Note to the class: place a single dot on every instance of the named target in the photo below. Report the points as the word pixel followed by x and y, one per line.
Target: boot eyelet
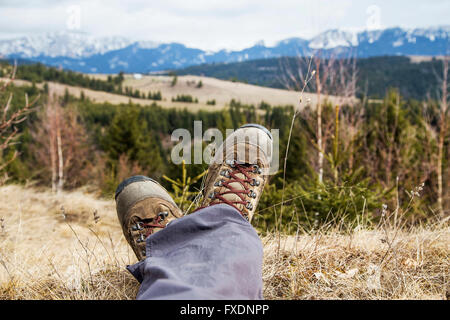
pixel 257 169
pixel 140 239
pixel 231 163
pixel 138 226
pixel 249 206
pixel 255 183
pixel 225 173
pixel 163 215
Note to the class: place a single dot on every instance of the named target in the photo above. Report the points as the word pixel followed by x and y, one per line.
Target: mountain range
pixel 89 54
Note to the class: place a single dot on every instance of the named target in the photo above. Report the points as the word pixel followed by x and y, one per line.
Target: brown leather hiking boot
pixel 143 207
pixel 240 170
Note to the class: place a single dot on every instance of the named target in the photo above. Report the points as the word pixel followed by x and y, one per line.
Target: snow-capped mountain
pixel 85 53
pixel 334 38
pixel 61 44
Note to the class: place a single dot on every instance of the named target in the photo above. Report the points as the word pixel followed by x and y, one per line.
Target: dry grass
pixel 334 266
pixel 220 90
pixel 44 256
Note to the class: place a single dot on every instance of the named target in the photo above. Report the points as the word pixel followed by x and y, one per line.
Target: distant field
pixel 414 76
pixel 102 96
pixel 220 90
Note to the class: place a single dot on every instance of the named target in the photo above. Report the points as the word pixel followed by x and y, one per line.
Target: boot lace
pixel 149 226
pixel 231 176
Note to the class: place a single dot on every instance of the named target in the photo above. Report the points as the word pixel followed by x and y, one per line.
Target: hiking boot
pixel 143 207
pixel 240 170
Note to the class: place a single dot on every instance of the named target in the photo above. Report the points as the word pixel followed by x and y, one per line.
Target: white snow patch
pixel 333 39
pixel 398 43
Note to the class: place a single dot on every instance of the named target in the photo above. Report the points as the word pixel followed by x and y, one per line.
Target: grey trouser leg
pixel 213 253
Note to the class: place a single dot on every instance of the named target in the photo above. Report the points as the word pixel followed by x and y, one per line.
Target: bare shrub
pixel 61 147
pixel 8 121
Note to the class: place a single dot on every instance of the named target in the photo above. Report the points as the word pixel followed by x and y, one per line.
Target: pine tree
pixel 128 135
pixel 225 122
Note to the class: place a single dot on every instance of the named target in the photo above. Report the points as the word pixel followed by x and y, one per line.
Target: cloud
pixel 211 24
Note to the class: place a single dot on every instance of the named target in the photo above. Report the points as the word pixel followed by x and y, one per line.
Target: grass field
pixel 220 90
pixel 212 89
pixel 70 246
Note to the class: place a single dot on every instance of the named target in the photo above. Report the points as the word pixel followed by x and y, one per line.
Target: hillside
pixel 70 246
pixel 221 91
pixel 415 76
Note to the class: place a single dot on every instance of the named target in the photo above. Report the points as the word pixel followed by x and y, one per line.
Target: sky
pixel 212 24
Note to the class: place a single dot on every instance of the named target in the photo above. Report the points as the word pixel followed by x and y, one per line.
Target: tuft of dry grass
pixel 67 246
pixel 83 256
pixel 360 265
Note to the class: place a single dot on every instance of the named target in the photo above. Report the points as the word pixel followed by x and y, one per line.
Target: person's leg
pixel 213 253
